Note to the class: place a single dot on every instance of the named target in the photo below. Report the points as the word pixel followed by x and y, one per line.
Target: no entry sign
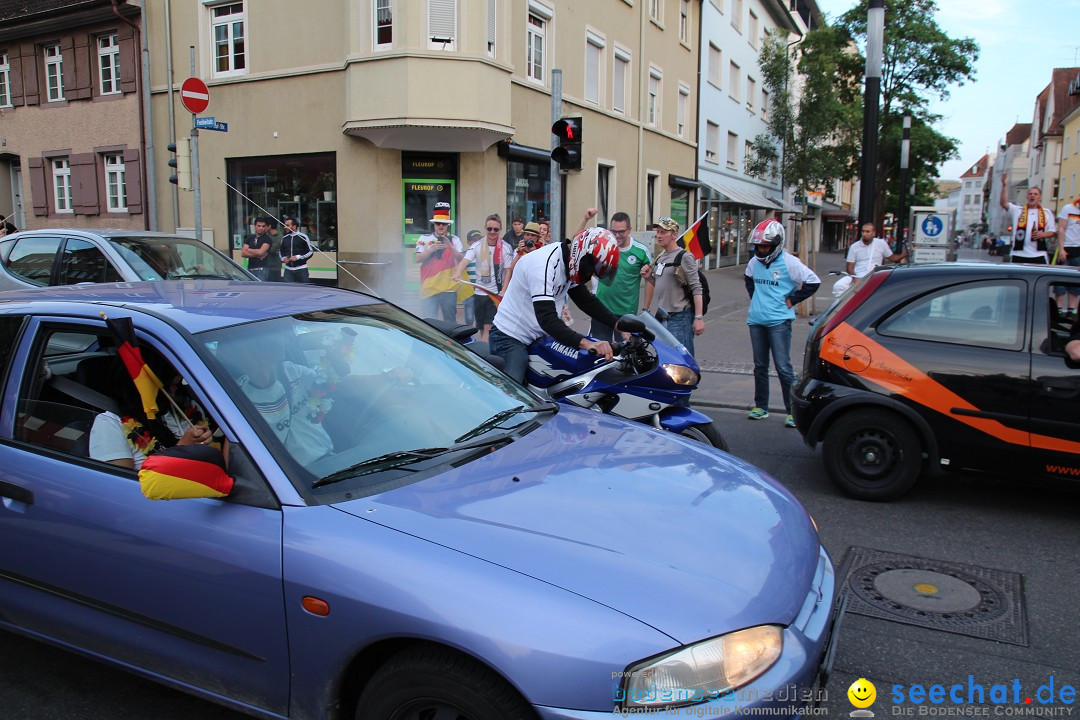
pixel 194 95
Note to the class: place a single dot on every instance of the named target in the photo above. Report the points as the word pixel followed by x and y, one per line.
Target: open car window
pixel 168 258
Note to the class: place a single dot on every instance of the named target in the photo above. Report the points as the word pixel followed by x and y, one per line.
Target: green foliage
pixel 921 63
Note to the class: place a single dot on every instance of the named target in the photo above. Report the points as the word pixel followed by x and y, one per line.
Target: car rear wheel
pixel 424 683
pixel 706 433
pixel 872 454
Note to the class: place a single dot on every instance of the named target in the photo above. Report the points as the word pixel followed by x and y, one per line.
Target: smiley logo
pixel 862 693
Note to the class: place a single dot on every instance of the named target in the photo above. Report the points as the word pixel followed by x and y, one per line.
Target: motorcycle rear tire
pixel 706 433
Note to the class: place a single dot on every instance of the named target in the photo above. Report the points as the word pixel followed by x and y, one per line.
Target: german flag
pixel 495 297
pixel 696 239
pixel 185 471
pixel 144 378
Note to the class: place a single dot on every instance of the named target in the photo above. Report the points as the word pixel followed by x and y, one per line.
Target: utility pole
pixel 905 151
pixel 195 164
pixel 557 214
pixel 875 37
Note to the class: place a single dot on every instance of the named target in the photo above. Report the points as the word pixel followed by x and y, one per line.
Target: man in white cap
pixel 438 253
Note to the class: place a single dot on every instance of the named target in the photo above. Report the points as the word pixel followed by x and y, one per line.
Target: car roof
pixel 979 269
pixel 194 305
pixel 99 232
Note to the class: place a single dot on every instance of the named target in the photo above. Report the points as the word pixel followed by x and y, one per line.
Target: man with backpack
pixel 678 286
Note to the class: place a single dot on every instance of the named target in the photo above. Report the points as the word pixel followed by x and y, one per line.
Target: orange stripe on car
pixel 848 349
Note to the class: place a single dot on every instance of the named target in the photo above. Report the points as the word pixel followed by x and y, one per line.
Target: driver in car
pixel 537 292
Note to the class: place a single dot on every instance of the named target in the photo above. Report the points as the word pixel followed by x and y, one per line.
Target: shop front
pixel 426 179
pixel 528 182
pixel 733 213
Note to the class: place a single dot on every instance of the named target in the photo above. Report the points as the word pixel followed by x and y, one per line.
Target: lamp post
pixel 875 32
pixel 905 151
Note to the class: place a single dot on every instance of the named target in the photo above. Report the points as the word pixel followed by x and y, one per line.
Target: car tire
pixel 872 454
pixel 706 433
pixel 424 681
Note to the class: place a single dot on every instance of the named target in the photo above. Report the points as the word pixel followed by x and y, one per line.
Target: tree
pixel 811 139
pixel 921 62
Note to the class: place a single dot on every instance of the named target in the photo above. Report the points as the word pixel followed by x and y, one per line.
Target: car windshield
pixel 337 394
pixel 169 258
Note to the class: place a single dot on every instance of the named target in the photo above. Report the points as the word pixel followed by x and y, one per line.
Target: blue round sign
pixel 932 226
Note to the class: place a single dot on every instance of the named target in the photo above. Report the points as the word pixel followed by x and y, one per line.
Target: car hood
pixel 686 539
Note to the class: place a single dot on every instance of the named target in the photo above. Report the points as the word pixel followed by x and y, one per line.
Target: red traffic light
pixel 568 153
pixel 567 129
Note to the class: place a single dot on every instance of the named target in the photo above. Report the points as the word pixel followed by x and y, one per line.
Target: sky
pixel 1020 42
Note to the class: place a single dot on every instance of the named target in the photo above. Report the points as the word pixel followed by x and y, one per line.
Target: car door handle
pixel 15 492
pixel 1061 390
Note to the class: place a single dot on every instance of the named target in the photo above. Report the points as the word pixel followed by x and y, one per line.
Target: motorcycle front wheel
pixel 706 433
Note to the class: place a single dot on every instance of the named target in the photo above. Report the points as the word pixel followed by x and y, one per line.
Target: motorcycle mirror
pixel 630 323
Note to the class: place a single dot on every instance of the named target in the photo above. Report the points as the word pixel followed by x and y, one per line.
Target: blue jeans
pixel 262 273
pixel 776 338
pixel 444 302
pixel 470 314
pixel 681 325
pixel 513 352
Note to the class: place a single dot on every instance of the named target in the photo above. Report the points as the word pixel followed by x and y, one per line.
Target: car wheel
pixel 872 454
pixel 706 433
pixel 422 683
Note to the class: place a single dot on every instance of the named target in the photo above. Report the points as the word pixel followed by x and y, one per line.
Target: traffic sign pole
pixel 195 183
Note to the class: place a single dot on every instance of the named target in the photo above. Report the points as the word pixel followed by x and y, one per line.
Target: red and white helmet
pixel 594 251
pixel 768 232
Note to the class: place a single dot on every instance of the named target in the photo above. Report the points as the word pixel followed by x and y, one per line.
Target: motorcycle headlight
pixel 682 374
pixel 703 671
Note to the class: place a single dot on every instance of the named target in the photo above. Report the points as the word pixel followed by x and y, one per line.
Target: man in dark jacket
pixel 295 251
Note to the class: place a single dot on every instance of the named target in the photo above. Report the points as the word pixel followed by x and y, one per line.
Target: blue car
pixel 391 527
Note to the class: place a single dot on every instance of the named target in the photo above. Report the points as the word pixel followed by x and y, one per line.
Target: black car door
pixel 1055 398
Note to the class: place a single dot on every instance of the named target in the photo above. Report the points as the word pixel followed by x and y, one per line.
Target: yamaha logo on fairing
pixel 564 349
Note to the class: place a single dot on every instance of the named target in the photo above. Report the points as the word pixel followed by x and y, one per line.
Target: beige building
pixel 1070 154
pixel 71 133
pixel 360 118
pixel 1051 105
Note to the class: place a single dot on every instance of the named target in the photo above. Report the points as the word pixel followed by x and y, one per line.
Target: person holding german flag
pixel 127 438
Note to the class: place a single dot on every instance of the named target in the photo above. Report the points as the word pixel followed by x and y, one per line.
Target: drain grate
pixel 963 599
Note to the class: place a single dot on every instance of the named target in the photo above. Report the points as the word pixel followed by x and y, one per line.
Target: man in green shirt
pixel 620 292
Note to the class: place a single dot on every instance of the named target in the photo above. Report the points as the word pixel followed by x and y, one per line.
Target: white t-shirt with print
pixel 539 275
pixel 1070 215
pixel 289 418
pixel 1031 247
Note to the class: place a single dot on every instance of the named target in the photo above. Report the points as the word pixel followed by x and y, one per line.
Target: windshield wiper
pixel 498 417
pixel 401 458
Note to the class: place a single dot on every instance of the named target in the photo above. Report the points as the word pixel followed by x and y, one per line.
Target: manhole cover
pixel 963 599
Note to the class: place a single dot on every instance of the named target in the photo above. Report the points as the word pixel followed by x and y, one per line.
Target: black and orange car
pixel 943 366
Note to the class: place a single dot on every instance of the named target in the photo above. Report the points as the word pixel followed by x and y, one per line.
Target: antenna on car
pixel 271 215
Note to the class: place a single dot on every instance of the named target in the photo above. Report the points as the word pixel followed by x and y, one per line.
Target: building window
pixel 492 28
pixel 736 14
pixel 603 194
pixel 442 24
pixel 620 77
pixel 227 28
pixel 752 30
pixel 751 91
pixel 594 61
pixel 656 10
pixel 733 81
pixel 115 182
pixel 535 44
pixel 655 78
pixel 109 64
pixel 764 104
pixel 54 73
pixel 732 150
pixel 684 21
pixel 384 23
pixel 714 65
pixel 5 81
pixel 684 98
pixel 748 151
pixel 712 142
pixel 61 172
pixel 650 197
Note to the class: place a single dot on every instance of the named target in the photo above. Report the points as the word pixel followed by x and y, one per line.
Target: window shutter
pixel 67 53
pixel 491 24
pixel 133 179
pixel 30 90
pixel 84 185
pixel 129 63
pixel 442 18
pixel 15 76
pixel 38 195
pixel 83 68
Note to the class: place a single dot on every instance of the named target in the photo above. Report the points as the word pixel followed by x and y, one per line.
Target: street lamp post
pixel 905 151
pixel 875 32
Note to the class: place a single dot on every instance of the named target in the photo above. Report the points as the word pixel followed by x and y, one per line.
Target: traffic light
pixel 181 161
pixel 568 154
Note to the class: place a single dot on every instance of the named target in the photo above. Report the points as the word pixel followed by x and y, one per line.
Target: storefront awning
pixel 836 213
pixel 786 207
pixel 743 197
pixel 431 137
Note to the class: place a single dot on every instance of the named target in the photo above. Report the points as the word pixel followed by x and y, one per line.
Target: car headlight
pixel 703 671
pixel 682 374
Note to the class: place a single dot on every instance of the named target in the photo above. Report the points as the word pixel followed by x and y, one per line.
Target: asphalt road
pixel 1001 524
